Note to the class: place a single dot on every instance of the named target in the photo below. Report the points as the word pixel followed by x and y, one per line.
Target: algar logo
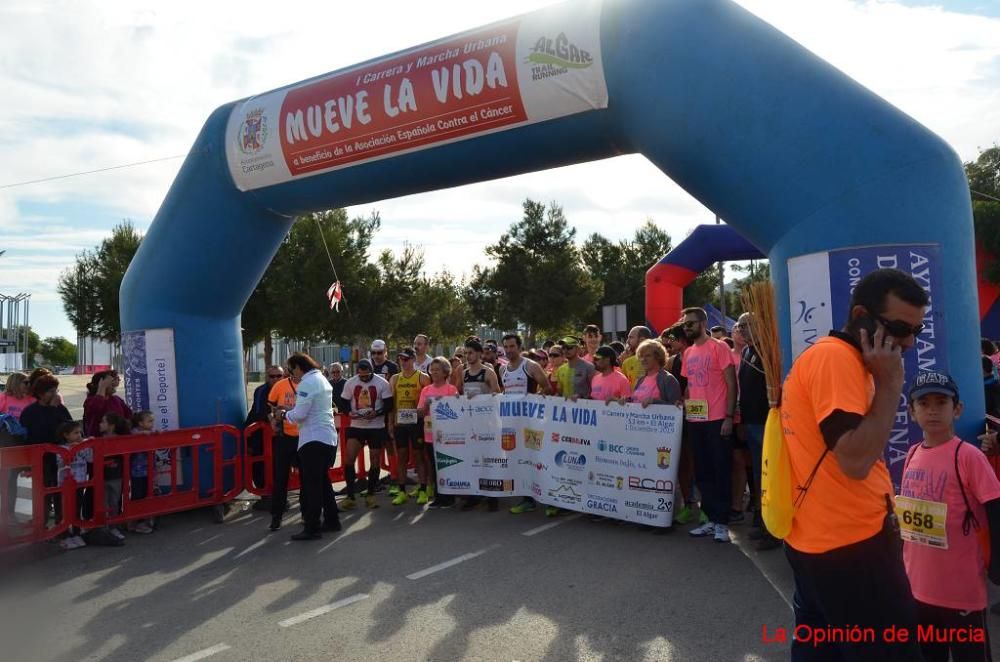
pixel 444 410
pixel 559 52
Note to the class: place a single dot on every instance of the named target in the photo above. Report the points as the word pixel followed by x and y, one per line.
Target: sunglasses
pixel 275 376
pixel 377 352
pixel 555 355
pixel 899 329
pixel 688 325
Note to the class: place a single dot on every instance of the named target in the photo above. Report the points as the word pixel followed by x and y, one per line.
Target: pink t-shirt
pixel 14 406
pixel 615 385
pixel 646 389
pixel 954 577
pixel 704 366
pixel 431 391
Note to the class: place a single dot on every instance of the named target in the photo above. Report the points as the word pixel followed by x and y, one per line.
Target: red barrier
pixel 265 457
pixel 169 470
pixel 173 466
pixel 389 462
pixel 16 461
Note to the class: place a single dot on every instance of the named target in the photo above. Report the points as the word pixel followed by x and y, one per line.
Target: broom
pixel 776 502
pixel 758 299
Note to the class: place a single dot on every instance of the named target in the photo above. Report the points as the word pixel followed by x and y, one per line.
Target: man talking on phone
pixel 839 404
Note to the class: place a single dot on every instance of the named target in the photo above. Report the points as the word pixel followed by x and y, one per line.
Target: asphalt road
pixel 401 584
pixel 397 583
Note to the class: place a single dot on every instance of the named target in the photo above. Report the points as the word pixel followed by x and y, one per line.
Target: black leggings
pixel 316 494
pixel 862 585
pixel 944 620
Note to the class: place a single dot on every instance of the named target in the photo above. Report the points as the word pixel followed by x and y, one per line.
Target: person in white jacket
pixel 313 413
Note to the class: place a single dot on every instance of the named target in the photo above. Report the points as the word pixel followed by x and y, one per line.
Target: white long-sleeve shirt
pixel 313 411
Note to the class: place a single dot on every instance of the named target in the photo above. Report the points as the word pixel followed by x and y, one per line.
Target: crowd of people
pixel 33 412
pixel 718 380
pixel 865 558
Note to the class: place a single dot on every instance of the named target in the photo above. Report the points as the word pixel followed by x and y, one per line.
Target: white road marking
pixel 259 543
pixel 551 525
pixel 447 564
pixel 208 540
pixel 202 654
pixel 319 611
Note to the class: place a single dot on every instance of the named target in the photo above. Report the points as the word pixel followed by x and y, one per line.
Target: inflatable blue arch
pixel 818 172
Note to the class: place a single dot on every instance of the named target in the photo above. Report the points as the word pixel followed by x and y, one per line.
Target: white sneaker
pixel 702 531
pixel 78 542
pixel 116 533
pixel 721 533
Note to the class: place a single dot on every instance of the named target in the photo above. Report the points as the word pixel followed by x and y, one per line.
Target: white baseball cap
pixel 378 345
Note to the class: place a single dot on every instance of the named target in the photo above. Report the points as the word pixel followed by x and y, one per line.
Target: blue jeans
pixel 713 462
pixel 754 433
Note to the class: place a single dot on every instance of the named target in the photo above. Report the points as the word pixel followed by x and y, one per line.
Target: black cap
pixel 933 382
pixel 606 352
pixel 408 352
pixel 365 364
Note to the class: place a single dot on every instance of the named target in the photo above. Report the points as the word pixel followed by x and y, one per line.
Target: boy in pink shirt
pixel 948 507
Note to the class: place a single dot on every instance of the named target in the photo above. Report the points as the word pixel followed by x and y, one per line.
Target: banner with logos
pixel 527 69
pixel 150 375
pixel 614 460
pixel 820 286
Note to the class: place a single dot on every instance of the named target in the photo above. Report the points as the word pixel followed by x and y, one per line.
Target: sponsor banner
pixel 150 375
pixel 820 289
pixel 617 461
pixel 528 69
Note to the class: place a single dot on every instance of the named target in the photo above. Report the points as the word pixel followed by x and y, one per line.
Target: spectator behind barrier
pixel 101 400
pixel 16 395
pixel 42 418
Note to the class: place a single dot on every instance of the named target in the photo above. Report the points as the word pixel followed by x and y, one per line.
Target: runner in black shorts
pixel 404 423
pixel 366 399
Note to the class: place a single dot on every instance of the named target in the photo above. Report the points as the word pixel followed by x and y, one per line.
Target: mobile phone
pixel 868 324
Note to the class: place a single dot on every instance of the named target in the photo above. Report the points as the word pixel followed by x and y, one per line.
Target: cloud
pixel 99 84
pixel 937 65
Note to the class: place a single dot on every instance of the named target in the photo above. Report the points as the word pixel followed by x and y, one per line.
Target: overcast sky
pixel 88 85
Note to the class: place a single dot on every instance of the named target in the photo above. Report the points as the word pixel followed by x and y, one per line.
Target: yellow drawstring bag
pixel 776 501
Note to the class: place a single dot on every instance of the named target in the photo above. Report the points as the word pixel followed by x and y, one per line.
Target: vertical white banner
pixel 150 377
pixel 809 300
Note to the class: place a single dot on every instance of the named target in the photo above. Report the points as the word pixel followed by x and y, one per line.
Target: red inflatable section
pixel 988 292
pixel 665 285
